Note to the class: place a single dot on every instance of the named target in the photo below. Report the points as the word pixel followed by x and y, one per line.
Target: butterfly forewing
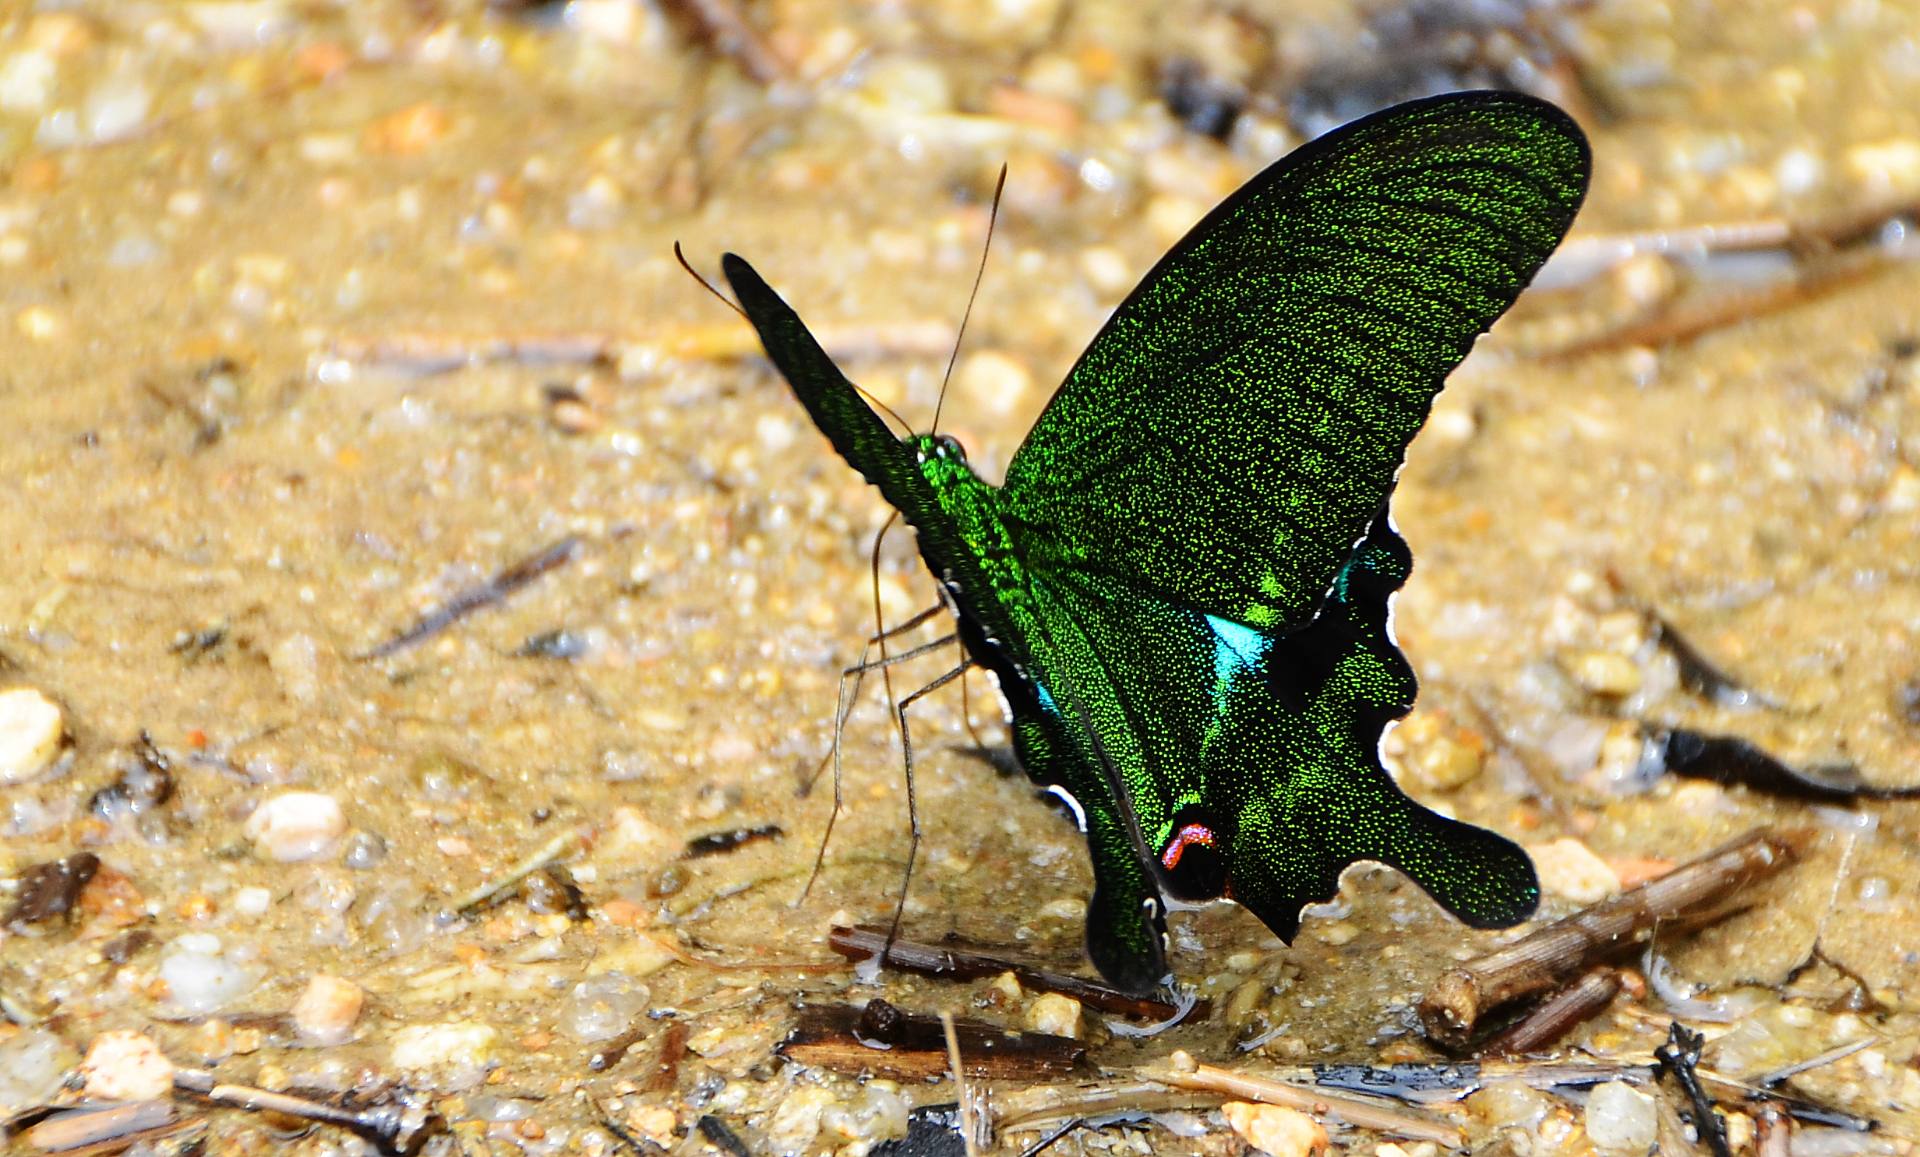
pixel 1236 426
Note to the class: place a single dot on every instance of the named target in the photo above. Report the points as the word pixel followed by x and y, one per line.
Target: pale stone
pixel 452 1044
pixel 296 825
pixel 1053 1013
pixel 1569 869
pixel 31 731
pixel 123 1065
pixel 327 1009
pixel 1621 1119
pixel 1275 1129
pixel 1602 672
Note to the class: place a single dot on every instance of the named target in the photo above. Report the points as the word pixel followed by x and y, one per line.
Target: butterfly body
pixel 1183 585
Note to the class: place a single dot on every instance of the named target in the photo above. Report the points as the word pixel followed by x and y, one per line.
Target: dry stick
pixel 399 1129
pixel 78 1128
pixel 1456 1002
pixel 1034 1107
pixel 969 1112
pixel 1554 1017
pixel 959 964
pixel 474 598
pixel 1363 1112
pixel 881 1040
pixel 1692 319
pixel 555 849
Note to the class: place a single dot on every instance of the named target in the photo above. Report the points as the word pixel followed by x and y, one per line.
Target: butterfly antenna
pixel 993 216
pixel 704 283
pixel 881 406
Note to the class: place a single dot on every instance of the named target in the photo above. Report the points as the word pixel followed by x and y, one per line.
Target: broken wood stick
pixel 884 1041
pixel 1536 962
pixel 863 943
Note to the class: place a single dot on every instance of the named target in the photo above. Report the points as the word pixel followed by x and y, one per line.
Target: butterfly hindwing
pixel 1302 791
pixel 1239 421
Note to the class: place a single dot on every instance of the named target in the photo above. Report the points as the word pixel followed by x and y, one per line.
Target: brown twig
pixel 398 1128
pixel 474 598
pixel 864 943
pixel 665 1073
pixel 558 848
pixel 882 1040
pixel 1555 1016
pixel 79 1131
pixel 1456 1002
pixel 1691 319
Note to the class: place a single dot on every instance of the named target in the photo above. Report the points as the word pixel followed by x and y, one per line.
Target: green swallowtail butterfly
pixel 1182 586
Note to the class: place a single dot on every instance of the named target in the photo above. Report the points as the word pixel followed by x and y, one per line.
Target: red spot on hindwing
pixel 1186 837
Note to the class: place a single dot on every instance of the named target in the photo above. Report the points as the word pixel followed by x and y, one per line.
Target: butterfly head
pixel 941 458
pixel 938 448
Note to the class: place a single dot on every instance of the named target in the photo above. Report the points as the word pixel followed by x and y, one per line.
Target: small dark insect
pixel 713 843
pixel 51 889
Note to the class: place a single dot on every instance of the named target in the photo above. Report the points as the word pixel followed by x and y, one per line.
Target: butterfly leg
pixel 844 699
pixel 842 708
pixel 913 806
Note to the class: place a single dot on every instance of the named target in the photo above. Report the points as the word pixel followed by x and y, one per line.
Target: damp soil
pixel 315 318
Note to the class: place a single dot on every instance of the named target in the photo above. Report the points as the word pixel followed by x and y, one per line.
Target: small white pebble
pixel 1621 1119
pixel 117 107
pixel 295 661
pixel 1569 869
pixel 252 901
pixel 27 82
pixel 201 975
pixel 1275 1129
pixel 328 1008
pixel 1053 1013
pixel 296 825
pixel 123 1065
pixel 31 731
pixel 452 1044
pixel 1064 908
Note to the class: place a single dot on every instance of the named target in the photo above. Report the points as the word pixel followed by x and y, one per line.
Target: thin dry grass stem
pixel 1354 1109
